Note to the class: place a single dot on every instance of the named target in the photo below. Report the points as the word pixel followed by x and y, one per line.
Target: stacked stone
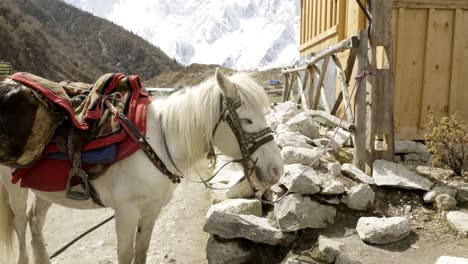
pixel 314 194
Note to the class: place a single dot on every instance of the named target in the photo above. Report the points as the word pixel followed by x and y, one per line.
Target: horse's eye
pixel 246 121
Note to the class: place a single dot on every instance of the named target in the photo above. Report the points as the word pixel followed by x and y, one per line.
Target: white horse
pixel 133 187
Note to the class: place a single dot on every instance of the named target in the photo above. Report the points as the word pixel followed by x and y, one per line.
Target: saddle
pixel 72 135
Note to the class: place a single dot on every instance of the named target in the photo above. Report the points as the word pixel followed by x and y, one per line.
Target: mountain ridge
pixel 58 41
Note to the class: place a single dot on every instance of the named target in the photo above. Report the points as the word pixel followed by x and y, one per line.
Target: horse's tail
pixel 6 223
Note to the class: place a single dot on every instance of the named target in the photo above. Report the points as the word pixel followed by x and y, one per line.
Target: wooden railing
pixel 322 20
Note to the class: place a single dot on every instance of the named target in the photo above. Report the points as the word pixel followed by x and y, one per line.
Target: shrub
pixel 447 141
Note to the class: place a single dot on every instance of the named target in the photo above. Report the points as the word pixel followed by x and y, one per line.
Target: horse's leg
pixel 37 215
pixel 18 203
pixel 126 222
pixel 6 225
pixel 143 237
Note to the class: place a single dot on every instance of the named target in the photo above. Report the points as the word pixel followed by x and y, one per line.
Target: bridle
pixel 248 142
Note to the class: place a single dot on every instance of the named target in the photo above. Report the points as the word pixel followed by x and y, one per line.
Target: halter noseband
pixel 248 142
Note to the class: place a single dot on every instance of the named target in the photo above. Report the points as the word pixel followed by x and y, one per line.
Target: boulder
pixel 433 172
pixel 324 142
pixel 359 197
pixel 417 157
pixel 331 187
pixel 293 139
pixel 283 128
pixel 299 181
pixel 445 202
pixel 251 227
pixel 409 146
pixel 226 252
pixel 304 124
pixel 462 192
pixel 238 206
pixel 304 156
pixel 274 193
pixel 297 212
pixel 329 248
pixel 342 136
pixel 383 230
pixel 281 114
pixel 356 174
pixel 458 221
pixel 451 260
pixel 334 169
pixel 386 173
pixel 429 197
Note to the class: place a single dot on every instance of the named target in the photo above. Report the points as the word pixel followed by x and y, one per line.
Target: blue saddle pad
pixel 104 155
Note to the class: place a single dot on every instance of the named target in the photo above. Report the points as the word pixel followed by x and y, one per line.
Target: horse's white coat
pixel 133 187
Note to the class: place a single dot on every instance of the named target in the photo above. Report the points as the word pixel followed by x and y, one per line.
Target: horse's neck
pixel 175 151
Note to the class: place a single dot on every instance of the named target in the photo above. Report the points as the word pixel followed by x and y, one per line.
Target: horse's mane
pixel 192 114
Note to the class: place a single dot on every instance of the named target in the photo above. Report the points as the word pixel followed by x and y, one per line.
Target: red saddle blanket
pixel 50 175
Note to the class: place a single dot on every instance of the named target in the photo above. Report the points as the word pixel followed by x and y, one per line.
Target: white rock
pixel 382 230
pixel 429 197
pixel 297 212
pixel 356 174
pixel 451 260
pixel 445 202
pixel 334 200
pixel 281 114
pixel 251 227
pixel 458 221
pixel 293 139
pixel 409 146
pixel 462 192
pixel 283 128
pixel 342 136
pixel 298 182
pixel 359 197
pixel 274 193
pixel 324 142
pixel 304 124
pixel 334 169
pixel 329 248
pixel 332 187
pixel 433 172
pixel 386 173
pixel 226 252
pixel 238 206
pixel 304 156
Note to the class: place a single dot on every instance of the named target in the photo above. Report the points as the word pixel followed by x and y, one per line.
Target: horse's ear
pixel 227 87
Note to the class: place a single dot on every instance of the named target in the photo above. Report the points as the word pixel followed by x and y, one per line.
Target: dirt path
pixel 178 235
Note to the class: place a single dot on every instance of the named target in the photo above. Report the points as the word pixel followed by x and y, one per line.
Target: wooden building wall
pixel 430 39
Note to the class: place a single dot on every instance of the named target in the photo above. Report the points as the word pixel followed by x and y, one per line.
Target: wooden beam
pixel 348 72
pixel 344 87
pixel 360 104
pixel 436 4
pixel 287 88
pixel 331 120
pixel 349 43
pixel 381 13
pixel 323 72
pixel 300 89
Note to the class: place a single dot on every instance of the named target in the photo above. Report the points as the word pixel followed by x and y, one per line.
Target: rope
pixel 62 249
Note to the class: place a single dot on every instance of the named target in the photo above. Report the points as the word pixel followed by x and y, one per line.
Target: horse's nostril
pixel 277 172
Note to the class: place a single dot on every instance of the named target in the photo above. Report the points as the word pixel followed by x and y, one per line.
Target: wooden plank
pixel 360 105
pixel 311 84
pixel 436 4
pixel 315 19
pixel 348 72
pixel 329 14
pixel 380 33
pixel 457 62
pixel 304 86
pixel 300 91
pixel 323 72
pixel 319 16
pixel 287 88
pixel 341 23
pixel 344 86
pixel 331 120
pixel 438 63
pixel 331 32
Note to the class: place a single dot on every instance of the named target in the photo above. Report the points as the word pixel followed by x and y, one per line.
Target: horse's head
pixel 242 131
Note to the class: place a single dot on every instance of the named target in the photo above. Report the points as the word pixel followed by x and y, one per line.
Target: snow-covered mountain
pixel 242 34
